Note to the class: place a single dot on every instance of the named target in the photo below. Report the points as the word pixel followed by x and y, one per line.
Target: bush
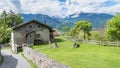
pixel 95 35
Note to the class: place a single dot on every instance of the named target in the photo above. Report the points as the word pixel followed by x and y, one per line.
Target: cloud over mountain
pixel 60 8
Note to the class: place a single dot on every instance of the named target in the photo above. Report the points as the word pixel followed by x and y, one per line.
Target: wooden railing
pixel 115 43
pixel 110 43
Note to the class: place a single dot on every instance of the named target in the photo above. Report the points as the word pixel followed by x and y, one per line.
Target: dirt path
pixel 13 60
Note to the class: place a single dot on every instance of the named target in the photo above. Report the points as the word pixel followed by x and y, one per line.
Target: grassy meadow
pixel 86 56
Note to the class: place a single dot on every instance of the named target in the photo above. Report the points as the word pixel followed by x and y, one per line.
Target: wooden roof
pixel 23 24
pixel 56 33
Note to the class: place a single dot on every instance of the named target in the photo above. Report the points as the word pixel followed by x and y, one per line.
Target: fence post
pixel 100 42
pixel 117 43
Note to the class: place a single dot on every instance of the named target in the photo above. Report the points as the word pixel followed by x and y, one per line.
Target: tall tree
pixel 85 27
pixel 82 28
pixel 6 22
pixel 113 28
pixel 72 32
pixel 3 18
pixel 14 19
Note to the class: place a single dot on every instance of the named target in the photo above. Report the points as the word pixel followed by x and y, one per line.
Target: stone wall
pixel 4 45
pixel 42 60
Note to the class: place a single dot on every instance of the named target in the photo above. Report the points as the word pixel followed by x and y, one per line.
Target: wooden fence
pixel 108 43
pixel 103 42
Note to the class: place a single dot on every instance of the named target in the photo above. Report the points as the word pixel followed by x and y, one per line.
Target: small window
pixel 30 26
pixel 30 35
pixel 39 26
pixel 37 35
pixel 22 28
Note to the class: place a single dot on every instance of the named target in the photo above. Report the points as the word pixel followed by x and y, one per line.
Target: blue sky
pixel 60 8
pixel 62 0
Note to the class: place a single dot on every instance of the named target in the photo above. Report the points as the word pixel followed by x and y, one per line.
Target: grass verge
pixel 6 48
pixel 32 64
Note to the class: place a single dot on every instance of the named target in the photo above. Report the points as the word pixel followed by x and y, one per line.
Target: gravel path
pixel 13 60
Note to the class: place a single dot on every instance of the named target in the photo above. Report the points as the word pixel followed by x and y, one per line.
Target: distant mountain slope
pixel 42 18
pixel 98 20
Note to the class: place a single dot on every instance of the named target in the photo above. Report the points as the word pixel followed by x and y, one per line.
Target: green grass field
pixel 86 56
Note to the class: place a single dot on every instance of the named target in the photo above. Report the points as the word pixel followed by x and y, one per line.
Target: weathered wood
pixel 109 43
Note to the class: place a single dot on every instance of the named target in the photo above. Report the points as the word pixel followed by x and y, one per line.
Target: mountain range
pixel 98 19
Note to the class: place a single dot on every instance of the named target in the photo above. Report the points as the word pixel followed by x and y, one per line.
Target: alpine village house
pixel 31 33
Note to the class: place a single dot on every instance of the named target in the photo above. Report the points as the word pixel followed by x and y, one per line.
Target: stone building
pixel 31 33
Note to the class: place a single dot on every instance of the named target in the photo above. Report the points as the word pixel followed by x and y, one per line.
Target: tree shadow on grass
pixel 9 62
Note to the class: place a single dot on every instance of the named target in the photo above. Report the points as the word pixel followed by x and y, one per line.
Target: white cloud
pixel 60 9
pixel 113 9
pixel 49 7
pixel 91 6
pixel 8 5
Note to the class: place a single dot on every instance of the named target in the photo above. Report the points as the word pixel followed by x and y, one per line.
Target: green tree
pixel 96 35
pixel 3 17
pixel 113 28
pixel 85 27
pixel 14 19
pixel 72 32
pixel 65 29
pixel 81 29
pixel 7 21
